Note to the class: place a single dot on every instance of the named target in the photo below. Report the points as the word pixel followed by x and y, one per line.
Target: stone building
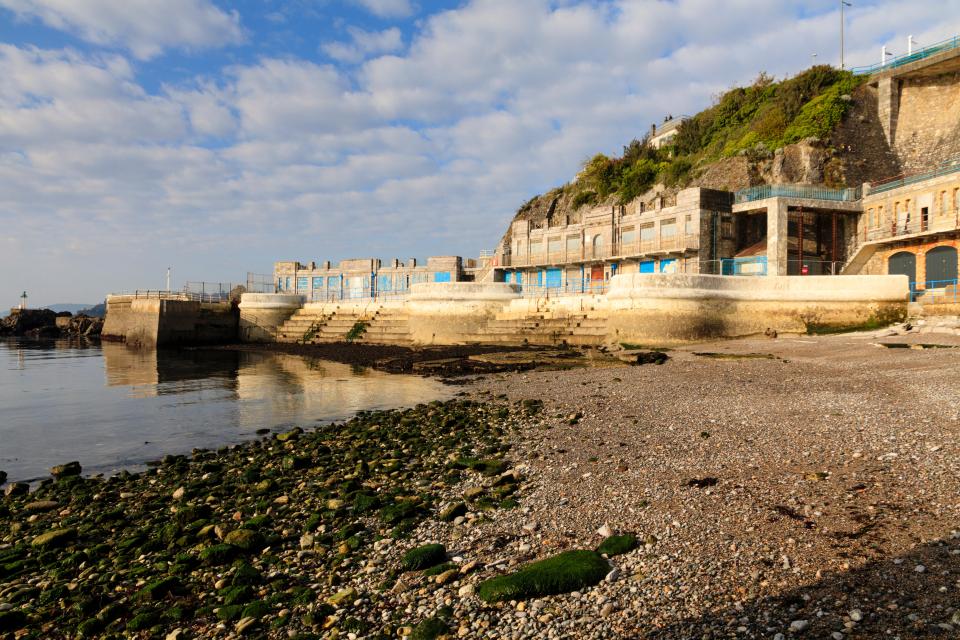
pixel 365 277
pixel 675 235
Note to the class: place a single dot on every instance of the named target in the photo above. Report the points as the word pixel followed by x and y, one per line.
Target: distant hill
pixel 72 308
pixel 96 311
pixel 92 310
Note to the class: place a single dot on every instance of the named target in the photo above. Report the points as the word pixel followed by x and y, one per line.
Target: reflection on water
pixel 112 407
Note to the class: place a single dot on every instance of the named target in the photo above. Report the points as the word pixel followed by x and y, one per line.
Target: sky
pixel 217 137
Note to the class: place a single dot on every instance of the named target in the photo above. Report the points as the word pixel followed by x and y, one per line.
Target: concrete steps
pixel 388 326
pixel 338 326
pixel 300 325
pixel 545 329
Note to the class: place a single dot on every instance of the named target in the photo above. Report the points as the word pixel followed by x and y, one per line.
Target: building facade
pixel 674 235
pixel 364 278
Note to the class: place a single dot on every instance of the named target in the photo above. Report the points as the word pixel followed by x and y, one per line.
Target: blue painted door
pixel 441 276
pixel 668 266
pixel 648 266
pixel 554 278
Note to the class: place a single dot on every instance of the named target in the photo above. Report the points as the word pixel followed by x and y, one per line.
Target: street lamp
pixel 843 3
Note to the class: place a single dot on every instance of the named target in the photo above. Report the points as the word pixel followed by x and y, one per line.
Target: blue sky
pixel 217 137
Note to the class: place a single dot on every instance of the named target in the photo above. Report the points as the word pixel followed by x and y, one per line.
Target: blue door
pixel 441 276
pixel 648 266
pixel 668 266
pixel 554 278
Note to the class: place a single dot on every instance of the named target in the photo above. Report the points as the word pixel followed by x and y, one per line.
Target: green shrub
pixel 429 555
pixel 618 545
pixel 587 197
pixel 562 573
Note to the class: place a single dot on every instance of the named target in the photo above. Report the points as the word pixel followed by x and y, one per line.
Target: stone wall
pixel 927 126
pixel 156 322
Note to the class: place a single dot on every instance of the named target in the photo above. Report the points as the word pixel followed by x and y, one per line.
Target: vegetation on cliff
pixel 760 118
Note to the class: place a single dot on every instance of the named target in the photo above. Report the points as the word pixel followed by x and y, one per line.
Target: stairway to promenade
pixel 549 323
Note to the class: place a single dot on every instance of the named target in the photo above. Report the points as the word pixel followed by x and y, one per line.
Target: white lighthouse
pixel 23 301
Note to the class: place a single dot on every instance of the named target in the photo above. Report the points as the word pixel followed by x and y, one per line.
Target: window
pixel 286 285
pixel 573 244
pixel 944 203
pixel 668 228
pixel 647 232
pixel 870 217
pixel 554 245
pixel 879 219
pixel 726 226
pixel 536 247
pixel 333 282
pixel 629 236
pixel 689 227
pixel 318 283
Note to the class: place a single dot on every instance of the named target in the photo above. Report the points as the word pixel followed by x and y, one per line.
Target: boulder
pixel 66 470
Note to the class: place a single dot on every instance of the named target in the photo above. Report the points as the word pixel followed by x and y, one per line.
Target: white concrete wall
pixel 445 313
pixel 684 308
pixel 261 314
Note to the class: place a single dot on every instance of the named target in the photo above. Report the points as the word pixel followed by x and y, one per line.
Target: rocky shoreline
pixel 44 323
pixel 790 488
pixel 300 534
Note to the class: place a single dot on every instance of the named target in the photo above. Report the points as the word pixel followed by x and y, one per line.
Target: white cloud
pixel 145 27
pixel 420 149
pixel 388 8
pixel 364 44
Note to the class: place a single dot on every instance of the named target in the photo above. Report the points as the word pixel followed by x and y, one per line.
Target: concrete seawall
pixel 261 314
pixel 160 322
pixel 639 308
pixel 686 308
pixel 446 313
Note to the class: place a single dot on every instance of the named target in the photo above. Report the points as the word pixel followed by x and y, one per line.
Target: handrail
pixel 899 61
pixel 888 184
pixel 764 191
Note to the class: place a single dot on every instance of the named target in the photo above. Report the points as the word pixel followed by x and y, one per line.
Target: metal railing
pixel 764 191
pixel 903 180
pixel 261 283
pixel 749 266
pixel 899 61
pixel 940 221
pixel 665 244
pixel 187 296
pixel 934 292
pixel 577 287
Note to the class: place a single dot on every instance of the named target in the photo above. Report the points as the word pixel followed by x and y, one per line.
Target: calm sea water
pixel 111 407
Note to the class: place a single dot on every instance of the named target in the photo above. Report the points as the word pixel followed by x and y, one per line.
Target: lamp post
pixel 843 3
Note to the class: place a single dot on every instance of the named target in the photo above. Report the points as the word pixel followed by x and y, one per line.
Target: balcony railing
pixel 948 167
pixel 764 191
pixel 636 249
pixel 888 230
pixel 899 61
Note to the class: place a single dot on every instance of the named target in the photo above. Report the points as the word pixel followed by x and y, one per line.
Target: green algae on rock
pixel 133 556
pixel 429 555
pixel 618 545
pixel 562 573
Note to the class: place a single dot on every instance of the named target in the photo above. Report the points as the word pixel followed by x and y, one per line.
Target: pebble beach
pixel 794 487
